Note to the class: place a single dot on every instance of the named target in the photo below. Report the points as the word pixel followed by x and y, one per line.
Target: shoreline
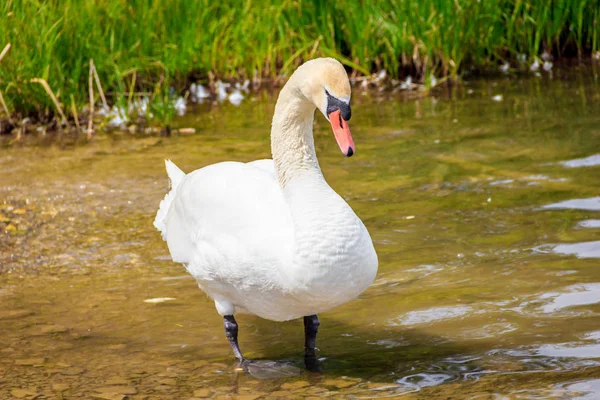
pixel 136 117
pixel 60 62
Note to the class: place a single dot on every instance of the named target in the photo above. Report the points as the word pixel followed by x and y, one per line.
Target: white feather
pixel 268 237
pixel 175 176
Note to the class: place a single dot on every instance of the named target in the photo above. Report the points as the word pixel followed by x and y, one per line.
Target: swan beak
pixel 341 132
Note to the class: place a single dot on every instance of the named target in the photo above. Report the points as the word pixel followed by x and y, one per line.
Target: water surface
pixel 484 215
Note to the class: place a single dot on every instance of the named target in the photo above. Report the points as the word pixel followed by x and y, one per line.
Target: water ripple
pixel 590 161
pixel 431 315
pixel 589 223
pixel 580 250
pixel 575 295
pixel 589 204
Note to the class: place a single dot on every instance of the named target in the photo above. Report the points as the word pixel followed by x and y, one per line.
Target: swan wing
pixel 229 223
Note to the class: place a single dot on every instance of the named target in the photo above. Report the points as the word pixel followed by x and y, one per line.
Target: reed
pixel 151 46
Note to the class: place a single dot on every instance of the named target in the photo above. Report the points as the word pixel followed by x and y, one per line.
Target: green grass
pixel 154 45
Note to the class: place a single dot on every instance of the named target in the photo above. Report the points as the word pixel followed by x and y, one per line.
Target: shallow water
pixel 484 215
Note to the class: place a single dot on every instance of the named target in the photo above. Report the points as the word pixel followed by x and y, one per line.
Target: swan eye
pixel 334 104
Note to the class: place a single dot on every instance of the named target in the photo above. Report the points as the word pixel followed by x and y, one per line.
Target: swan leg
pixel 311 327
pixel 231 332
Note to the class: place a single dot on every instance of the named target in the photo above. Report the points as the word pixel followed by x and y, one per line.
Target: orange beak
pixel 342 134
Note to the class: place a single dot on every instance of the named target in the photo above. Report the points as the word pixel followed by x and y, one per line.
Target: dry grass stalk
pixel 157 86
pixel 91 90
pixel 137 94
pixel 315 47
pixel 131 88
pixel 98 84
pixel 52 97
pixel 6 48
pixel 75 115
pixel 5 108
pixel 2 102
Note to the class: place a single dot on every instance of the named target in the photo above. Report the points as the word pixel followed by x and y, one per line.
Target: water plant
pixel 143 46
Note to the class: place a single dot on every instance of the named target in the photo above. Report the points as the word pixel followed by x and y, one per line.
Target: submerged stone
pixel 30 361
pixel 338 383
pixel 294 385
pixel 24 393
pixel 73 371
pixel 9 314
pixel 203 393
pixel 60 387
pixel 116 390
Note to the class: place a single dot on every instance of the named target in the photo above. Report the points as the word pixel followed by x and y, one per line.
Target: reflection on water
pixel 592 335
pixel 487 239
pixel 575 295
pixel 423 380
pixel 586 390
pixel 589 223
pixel 590 161
pixel 580 390
pixel 489 331
pixel 431 315
pixel 581 250
pixel 575 350
pixel 591 204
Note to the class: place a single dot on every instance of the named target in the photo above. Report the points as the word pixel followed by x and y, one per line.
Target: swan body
pixel 271 237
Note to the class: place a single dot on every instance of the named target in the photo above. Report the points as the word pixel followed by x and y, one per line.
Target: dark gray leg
pixel 231 332
pixel 311 327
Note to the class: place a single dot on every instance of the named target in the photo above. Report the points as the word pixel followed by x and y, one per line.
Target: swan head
pixel 325 83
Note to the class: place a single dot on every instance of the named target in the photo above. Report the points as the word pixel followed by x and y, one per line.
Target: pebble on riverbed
pixel 30 361
pixel 294 385
pixel 24 393
pixel 339 383
pixel 60 387
pixel 10 314
pixel 14 219
pixel 203 393
pixel 157 300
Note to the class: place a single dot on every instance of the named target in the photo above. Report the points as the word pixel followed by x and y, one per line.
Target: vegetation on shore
pixel 157 48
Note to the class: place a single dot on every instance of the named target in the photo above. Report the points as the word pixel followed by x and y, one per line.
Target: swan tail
pixel 176 175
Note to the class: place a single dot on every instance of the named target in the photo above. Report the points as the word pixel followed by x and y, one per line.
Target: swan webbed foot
pixel 311 363
pixel 231 332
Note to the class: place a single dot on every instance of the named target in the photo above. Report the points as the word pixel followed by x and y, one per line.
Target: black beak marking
pixel 350 152
pixel 334 104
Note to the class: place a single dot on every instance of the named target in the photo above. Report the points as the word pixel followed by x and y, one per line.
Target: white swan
pixel 271 237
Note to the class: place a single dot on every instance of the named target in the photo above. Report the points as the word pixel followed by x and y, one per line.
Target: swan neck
pixel 292 142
